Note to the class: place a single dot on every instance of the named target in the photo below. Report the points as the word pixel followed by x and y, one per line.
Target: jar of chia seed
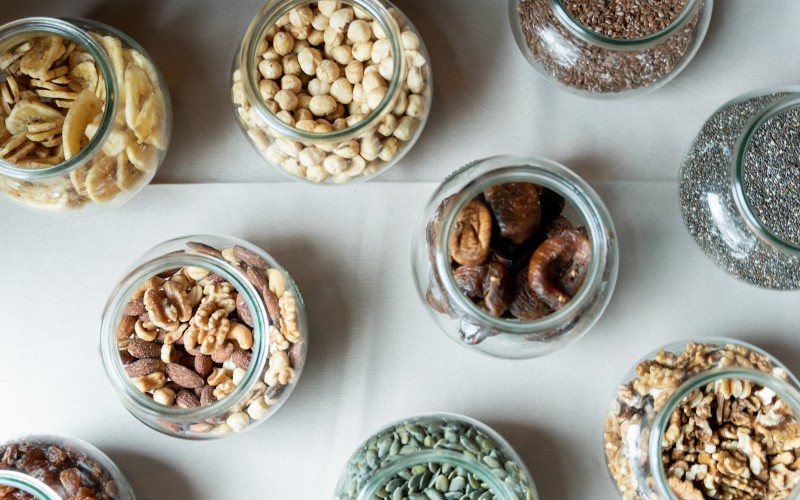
pixel 715 418
pixel 515 257
pixel 41 467
pixel 609 49
pixel 439 456
pixel 740 188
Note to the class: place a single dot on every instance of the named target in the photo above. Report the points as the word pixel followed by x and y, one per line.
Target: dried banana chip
pixel 30 111
pixel 78 179
pixel 101 181
pixel 83 77
pixel 83 111
pixel 45 51
pixel 138 89
pixel 12 143
pixel 128 176
pixel 142 156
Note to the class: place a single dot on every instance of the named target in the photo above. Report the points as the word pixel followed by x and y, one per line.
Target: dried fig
pixel 557 226
pixel 526 306
pixel 516 208
pixel 471 234
pixel 558 267
pixel 552 204
pixel 487 284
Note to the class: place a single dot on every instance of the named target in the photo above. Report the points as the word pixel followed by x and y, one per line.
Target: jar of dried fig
pixel 44 467
pixel 85 116
pixel 515 257
pixel 332 91
pixel 609 49
pixel 715 418
pixel 205 336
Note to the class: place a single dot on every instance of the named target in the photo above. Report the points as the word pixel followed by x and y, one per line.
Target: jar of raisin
pixel 205 336
pixel 713 418
pixel 441 455
pixel 85 119
pixel 331 92
pixel 609 49
pixel 515 257
pixel 41 467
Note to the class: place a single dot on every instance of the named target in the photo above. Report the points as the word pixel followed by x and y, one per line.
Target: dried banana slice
pixel 101 181
pixel 30 111
pixel 113 47
pixel 37 61
pixel 143 156
pixel 148 124
pixel 138 90
pixel 85 107
pixel 78 179
pixel 128 175
pixel 83 77
pixel 12 143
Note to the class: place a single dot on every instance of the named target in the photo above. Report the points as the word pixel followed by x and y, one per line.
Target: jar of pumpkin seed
pixel 440 456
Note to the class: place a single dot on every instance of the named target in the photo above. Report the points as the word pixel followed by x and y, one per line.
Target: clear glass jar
pixel 643 435
pixel 435 455
pixel 745 147
pixel 44 467
pixel 458 316
pixel 357 141
pixel 238 364
pixel 113 144
pixel 564 48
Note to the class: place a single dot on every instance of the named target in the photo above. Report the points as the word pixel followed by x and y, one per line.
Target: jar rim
pixel 28 484
pixel 133 278
pixel 576 192
pixel 742 148
pixel 256 32
pixel 75 30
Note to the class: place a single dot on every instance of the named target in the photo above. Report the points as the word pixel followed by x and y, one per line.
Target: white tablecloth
pixel 375 355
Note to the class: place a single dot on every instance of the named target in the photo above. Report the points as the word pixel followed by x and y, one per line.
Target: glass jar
pixel 45 467
pixel 436 455
pixel 682 398
pixel 366 134
pixel 64 159
pixel 473 327
pixel 204 336
pixel 740 199
pixel 562 42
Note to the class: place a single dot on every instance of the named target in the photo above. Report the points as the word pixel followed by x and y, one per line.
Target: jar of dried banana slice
pixel 85 115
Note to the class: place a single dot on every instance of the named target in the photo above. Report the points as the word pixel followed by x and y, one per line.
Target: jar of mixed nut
pixel 85 115
pixel 740 188
pixel 609 49
pixel 715 418
pixel 59 468
pixel 515 256
pixel 204 337
pixel 439 456
pixel 332 91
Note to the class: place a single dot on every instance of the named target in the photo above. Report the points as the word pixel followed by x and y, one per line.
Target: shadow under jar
pixel 43 467
pixel 204 337
pixel 85 116
pixel 609 49
pixel 330 91
pixel 740 188
pixel 536 290
pixel 440 456
pixel 716 418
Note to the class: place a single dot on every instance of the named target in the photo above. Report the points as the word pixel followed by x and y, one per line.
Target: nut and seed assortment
pixel 327 67
pixel 186 339
pixel 727 439
pixel 476 462
pixel 52 103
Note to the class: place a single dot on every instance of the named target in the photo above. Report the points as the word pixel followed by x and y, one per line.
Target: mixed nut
pixel 186 339
pixel 729 439
pixel 512 252
pixel 328 66
pixel 53 101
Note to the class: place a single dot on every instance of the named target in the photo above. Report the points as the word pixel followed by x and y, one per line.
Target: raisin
pixel 527 306
pixel 516 208
pixel 70 480
pixel 471 234
pixel 558 267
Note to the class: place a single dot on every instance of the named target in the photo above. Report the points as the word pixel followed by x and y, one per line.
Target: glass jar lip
pixel 256 32
pixel 28 484
pixel 753 221
pixel 588 35
pixel 783 389
pixel 67 28
pixel 121 383
pixel 576 192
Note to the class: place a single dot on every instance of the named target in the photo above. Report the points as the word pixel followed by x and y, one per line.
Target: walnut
pixel 176 294
pixel 223 294
pixel 289 326
pixel 684 490
pixel 212 325
pixel 279 372
pixel 162 312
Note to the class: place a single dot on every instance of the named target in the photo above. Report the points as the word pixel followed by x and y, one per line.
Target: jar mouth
pixel 66 28
pixel 753 221
pixel 576 192
pixel 783 390
pixel 112 314
pixel 591 36
pixel 256 32
pixel 28 484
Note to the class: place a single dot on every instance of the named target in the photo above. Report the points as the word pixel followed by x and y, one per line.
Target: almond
pixel 249 257
pixel 296 353
pixel 273 307
pixel 222 353
pixel 257 278
pixel 142 367
pixel 184 377
pixel 241 358
pixel 243 311
pixel 202 365
pixel 126 357
pixel 126 327
pixel 187 399
pixel 207 395
pixel 144 349
pixel 134 308
pixel 203 248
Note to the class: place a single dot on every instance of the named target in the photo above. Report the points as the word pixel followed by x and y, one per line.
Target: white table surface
pixel 374 355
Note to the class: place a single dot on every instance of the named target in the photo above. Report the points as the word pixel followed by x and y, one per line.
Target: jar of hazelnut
pixel 204 337
pixel 331 91
pixel 515 257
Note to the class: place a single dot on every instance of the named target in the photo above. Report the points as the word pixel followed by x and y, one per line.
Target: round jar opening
pixel 253 55
pixel 46 137
pixel 13 482
pixel 580 209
